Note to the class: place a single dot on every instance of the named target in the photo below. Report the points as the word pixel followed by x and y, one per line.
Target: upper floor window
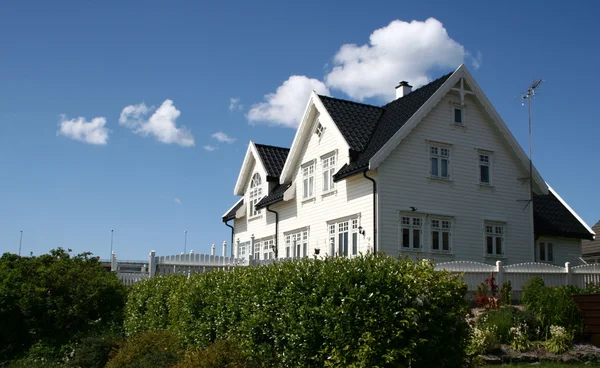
pixel 410 232
pixel 485 169
pixel 441 231
pixel 494 239
pixel 308 180
pixel 319 130
pixel 440 162
pixel 458 115
pixel 545 252
pixel 328 165
pixel 255 195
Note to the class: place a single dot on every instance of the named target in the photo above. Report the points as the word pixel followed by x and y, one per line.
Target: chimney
pixel 403 89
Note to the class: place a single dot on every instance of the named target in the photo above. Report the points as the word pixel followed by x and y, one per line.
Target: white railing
pixel 474 273
pixel 130 278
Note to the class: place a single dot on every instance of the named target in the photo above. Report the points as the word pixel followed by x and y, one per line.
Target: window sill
pixel 442 252
pixel 495 256
pixel 486 186
pixel 308 200
pixel 254 218
pixel 439 180
pixel 457 125
pixel 329 193
pixel 412 250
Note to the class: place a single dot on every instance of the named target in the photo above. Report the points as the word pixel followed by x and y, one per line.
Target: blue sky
pixel 148 173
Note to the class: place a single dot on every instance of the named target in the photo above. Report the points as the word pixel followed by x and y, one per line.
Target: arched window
pixel 255 194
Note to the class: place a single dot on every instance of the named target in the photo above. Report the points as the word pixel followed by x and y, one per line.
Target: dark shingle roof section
pixel 356 121
pixel 273 158
pixel 592 247
pixel 275 196
pixel 393 116
pixel 551 217
pixel 231 214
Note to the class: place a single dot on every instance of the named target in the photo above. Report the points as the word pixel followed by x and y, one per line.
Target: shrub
pixel 221 354
pixel 560 340
pixel 370 310
pixel 506 318
pixel 93 352
pixel 519 338
pixel 552 305
pixel 151 349
pixel 482 299
pixel 484 340
pixel 52 298
pixel 506 293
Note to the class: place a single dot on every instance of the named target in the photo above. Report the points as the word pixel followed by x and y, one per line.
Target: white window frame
pixel 443 228
pixel 308 180
pixel 546 251
pixel 319 130
pixel 328 166
pixel 343 237
pixel 439 153
pixel 296 243
pixel 494 233
pixel 463 110
pixel 255 194
pixel 482 156
pixel 267 247
pixel 412 226
pixel 257 249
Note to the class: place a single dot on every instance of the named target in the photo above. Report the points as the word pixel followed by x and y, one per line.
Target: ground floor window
pixel 410 232
pixel 296 244
pixel 545 252
pixel 494 239
pixel 264 247
pixel 441 231
pixel 243 249
pixel 343 238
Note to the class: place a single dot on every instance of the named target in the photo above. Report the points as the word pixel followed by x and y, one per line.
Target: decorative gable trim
pixel 251 153
pixel 571 210
pixel 313 109
pixel 460 72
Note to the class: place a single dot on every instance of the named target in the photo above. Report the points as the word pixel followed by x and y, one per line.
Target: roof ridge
pixel 350 101
pixel 271 146
pixel 413 91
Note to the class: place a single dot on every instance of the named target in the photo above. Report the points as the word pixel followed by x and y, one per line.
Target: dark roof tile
pixel 552 218
pixel 592 247
pixel 231 214
pixel 273 158
pixel 275 196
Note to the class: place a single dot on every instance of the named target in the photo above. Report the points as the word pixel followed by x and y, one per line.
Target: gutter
pixel 276 230
pixel 374 210
pixel 231 227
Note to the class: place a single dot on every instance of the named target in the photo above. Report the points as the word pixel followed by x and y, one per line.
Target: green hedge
pixel 364 312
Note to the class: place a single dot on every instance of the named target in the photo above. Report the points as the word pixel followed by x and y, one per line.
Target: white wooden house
pixel 433 174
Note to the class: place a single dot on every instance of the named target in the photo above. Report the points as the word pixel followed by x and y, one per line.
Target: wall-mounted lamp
pixel 317 250
pixel 361 231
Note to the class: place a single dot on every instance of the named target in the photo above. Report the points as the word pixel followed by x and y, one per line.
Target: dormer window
pixel 319 130
pixel 255 195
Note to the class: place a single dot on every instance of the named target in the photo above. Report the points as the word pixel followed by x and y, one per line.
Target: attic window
pixel 458 116
pixel 319 130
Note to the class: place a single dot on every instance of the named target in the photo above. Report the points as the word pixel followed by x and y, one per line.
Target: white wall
pixel 404 182
pixel 565 249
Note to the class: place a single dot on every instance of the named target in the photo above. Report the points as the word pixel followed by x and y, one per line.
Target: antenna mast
pixel 529 96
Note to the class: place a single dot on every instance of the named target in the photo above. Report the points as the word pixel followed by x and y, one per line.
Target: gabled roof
pixel 391 118
pixel 275 196
pixel 273 158
pixel 591 247
pixel 552 216
pixel 230 214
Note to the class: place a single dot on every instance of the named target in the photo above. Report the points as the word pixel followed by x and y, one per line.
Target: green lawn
pixel 544 365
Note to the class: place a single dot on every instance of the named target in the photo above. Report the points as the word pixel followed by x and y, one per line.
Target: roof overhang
pixel 251 157
pixel 572 211
pixel 460 72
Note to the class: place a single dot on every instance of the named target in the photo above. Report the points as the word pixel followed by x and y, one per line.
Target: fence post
pixel 224 248
pixel 113 262
pixel 252 246
pixel 567 273
pixel 152 264
pixel 499 273
pixel 212 250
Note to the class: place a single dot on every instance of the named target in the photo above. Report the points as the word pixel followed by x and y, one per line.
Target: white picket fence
pixel 518 274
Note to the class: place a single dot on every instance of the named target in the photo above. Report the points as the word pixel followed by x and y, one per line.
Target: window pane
pixel 331 246
pixel 346 244
pixel 446 241
pixel 304 249
pixel 542 251
pixel 498 245
pixel 305 187
pixel 490 244
pixel 435 240
pixel 434 166
pixel 331 183
pixel 550 252
pixel 354 244
pixel 298 254
pixel 406 238
pixel 310 186
pixel 484 174
pixel 416 238
pixel 445 168
pixel 457 116
pixel 325 180
pixel 287 252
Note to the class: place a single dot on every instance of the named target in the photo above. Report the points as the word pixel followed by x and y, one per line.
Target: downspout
pixel 374 211
pixel 276 230
pixel 232 235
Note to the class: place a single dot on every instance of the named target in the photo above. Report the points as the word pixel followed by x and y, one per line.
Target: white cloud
pixel 162 124
pixel 398 51
pixel 286 105
pixel 223 138
pixel 476 60
pixel 209 148
pixel 177 200
pixel 234 104
pixel 92 132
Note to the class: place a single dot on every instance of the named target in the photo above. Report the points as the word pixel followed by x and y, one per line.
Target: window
pixel 243 250
pixel 410 232
pixel 458 115
pixel 308 180
pixel 494 239
pixel 545 252
pixel 256 250
pixel 441 231
pixel 267 248
pixel 343 238
pixel 328 171
pixel 440 162
pixel 485 169
pixel 319 130
pixel 255 195
pixel 296 244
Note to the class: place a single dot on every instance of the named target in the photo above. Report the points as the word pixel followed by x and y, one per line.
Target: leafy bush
pixel 506 293
pixel 482 299
pixel 560 340
pixel 506 318
pixel 552 305
pixel 366 311
pixel 221 354
pixel 484 340
pixel 53 298
pixel 151 349
pixel 93 352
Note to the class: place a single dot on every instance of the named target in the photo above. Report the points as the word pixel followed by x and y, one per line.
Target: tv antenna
pixel 528 96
